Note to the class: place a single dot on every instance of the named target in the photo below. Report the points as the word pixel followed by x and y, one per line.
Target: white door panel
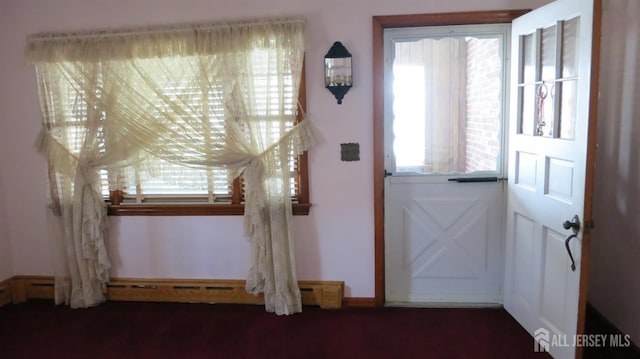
pixel 547 167
pixel 444 242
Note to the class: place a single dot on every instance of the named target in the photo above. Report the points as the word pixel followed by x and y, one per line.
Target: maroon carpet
pixel 38 329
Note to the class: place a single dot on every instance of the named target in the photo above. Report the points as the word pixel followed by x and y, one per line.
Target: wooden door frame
pixel 394 21
pixel 596 44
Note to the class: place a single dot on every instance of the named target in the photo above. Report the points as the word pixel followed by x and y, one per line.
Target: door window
pixel 446 109
pixel 547 83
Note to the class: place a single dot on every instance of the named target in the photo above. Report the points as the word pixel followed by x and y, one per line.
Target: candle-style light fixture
pixel 337 71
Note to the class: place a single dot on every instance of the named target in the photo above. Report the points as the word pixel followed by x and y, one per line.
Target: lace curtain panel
pixel 117 105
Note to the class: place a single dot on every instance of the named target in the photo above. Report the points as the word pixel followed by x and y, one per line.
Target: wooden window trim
pixel 182 209
pixel 236 207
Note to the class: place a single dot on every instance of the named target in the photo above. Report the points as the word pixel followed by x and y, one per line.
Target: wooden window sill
pixel 299 209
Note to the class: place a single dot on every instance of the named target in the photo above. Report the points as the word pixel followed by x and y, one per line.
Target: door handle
pixel 474 179
pixel 574 225
pixel 566 245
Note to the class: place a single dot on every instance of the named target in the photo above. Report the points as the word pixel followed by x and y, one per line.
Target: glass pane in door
pixel 526 85
pixel 447 107
pixel 570 48
pixel 546 90
pixel 548 81
pixel 568 109
pixel 568 101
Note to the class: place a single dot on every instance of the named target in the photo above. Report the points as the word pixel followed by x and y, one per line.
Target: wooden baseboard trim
pixel 592 311
pixel 325 294
pixel 355 302
pixel 24 288
pixel 5 292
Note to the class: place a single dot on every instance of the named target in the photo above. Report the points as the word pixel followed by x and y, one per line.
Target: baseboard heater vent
pixel 325 294
pixel 5 293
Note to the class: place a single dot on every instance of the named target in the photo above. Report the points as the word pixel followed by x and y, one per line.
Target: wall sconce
pixel 337 71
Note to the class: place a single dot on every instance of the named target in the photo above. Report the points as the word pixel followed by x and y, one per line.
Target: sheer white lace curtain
pixel 119 102
pixel 439 66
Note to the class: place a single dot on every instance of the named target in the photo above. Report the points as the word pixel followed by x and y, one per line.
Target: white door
pixel 548 146
pixel 444 240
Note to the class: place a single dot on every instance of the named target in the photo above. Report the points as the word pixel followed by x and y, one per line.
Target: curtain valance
pixel 167 41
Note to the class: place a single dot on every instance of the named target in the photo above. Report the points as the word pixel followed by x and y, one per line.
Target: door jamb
pixel 393 21
pixel 596 38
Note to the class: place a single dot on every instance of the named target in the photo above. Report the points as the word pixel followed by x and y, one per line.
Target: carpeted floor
pixel 38 329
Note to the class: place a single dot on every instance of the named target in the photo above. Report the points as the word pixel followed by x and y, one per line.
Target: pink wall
pixel 614 286
pixel 335 242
